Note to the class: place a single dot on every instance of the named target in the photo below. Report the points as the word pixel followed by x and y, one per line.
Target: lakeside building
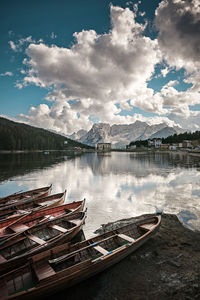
pixel 154 143
pixel 172 147
pixel 187 144
pixel 103 147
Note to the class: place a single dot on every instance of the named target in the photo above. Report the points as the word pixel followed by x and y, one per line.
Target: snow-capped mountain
pixel 121 135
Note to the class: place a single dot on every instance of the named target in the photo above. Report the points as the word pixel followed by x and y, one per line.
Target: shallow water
pixel 116 185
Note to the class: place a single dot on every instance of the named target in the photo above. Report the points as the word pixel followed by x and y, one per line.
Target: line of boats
pixel 36 256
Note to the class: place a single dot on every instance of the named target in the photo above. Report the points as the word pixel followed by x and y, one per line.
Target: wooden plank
pixel 2 259
pixel 3 289
pixel 42 203
pixel 18 282
pixel 126 237
pixel 75 222
pixel 147 226
pixel 18 227
pixel 44 271
pixel 36 239
pixel 101 250
pixel 57 227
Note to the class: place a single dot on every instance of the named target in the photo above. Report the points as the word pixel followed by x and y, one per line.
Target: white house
pixel 155 143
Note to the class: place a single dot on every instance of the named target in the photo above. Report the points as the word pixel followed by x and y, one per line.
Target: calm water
pixel 115 185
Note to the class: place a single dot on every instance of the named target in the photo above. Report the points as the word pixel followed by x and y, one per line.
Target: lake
pixel 116 185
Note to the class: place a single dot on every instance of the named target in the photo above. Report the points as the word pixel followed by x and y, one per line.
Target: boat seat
pixel 101 250
pixel 2 259
pixel 36 239
pixel 18 227
pixel 75 221
pixel 43 271
pixel 126 237
pixel 59 228
pixel 147 226
pixel 45 218
pixel 42 204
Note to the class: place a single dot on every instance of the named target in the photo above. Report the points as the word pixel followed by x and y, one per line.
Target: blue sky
pixel 65 64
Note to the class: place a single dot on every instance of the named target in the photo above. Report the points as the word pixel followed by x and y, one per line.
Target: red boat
pixel 16 197
pixel 9 227
pixel 26 206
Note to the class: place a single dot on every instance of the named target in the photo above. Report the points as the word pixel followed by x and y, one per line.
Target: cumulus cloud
pixel 17 46
pixel 178 24
pixel 98 70
pixel 59 118
pixel 102 74
pixel 6 74
pixel 187 119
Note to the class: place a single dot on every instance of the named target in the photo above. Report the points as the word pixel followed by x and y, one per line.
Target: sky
pixel 65 65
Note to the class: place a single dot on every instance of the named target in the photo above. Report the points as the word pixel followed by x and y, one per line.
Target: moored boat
pixel 16 197
pixel 26 206
pixel 66 265
pixel 15 250
pixel 9 227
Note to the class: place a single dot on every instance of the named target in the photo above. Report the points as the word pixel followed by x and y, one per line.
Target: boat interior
pixel 37 236
pixel 73 257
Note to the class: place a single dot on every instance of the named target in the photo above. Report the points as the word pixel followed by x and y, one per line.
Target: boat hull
pixel 36 193
pixel 10 212
pixel 81 271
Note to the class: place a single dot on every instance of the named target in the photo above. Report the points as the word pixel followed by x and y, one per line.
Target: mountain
pixel 77 135
pixel 19 136
pixel 121 135
pixel 166 131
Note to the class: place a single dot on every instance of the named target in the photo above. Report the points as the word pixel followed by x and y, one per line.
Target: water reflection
pixel 117 185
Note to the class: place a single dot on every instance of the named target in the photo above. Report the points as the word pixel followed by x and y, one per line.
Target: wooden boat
pixel 16 197
pixel 66 265
pixel 26 206
pixel 9 227
pixel 15 250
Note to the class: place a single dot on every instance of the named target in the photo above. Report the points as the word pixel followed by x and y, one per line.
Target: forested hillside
pixel 176 138
pixel 19 136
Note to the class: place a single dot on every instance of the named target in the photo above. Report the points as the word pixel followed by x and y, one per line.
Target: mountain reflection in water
pixel 116 185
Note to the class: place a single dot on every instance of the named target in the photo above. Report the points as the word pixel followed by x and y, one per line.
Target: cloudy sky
pixel 67 64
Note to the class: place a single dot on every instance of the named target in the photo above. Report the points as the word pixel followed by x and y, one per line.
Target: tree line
pixel 19 136
pixel 172 139
pixel 179 138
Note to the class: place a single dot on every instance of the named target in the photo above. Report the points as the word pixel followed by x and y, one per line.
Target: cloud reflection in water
pixel 120 185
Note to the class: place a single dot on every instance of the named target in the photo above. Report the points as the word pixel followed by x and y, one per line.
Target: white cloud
pixel 178 23
pixel 18 45
pixel 132 194
pixel 53 36
pixel 100 71
pixel 165 71
pixel 59 118
pixel 13 46
pixel 6 74
pixel 186 118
